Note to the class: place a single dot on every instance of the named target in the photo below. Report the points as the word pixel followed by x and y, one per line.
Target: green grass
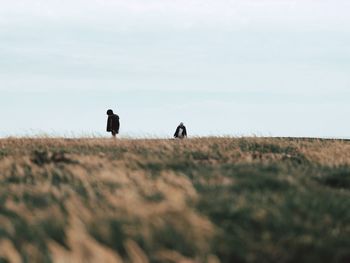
pixel 278 221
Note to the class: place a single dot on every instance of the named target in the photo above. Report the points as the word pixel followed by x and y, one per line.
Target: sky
pixel 223 67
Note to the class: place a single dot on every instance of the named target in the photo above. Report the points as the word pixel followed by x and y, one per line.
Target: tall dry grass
pixel 100 200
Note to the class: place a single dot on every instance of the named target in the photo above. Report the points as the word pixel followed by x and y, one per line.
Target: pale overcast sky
pixel 224 67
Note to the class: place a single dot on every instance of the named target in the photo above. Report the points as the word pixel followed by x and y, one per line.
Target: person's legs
pixel 114 134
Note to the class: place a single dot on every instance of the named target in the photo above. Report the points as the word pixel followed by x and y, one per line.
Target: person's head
pixel 109 112
pixel 181 124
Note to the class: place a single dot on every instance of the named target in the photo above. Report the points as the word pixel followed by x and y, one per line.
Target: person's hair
pixel 109 112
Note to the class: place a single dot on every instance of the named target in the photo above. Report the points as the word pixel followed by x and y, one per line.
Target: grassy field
pixel 199 200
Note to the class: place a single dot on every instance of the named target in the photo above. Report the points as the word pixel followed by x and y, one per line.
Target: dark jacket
pixel 113 123
pixel 184 132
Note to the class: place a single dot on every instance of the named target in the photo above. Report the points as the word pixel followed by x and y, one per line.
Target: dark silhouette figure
pixel 113 123
pixel 181 131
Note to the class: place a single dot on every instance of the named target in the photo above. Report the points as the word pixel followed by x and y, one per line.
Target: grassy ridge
pixel 199 200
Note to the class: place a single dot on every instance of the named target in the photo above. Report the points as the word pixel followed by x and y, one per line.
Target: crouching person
pixel 113 123
pixel 180 132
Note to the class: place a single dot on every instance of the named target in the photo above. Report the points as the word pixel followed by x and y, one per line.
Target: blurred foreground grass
pixel 199 200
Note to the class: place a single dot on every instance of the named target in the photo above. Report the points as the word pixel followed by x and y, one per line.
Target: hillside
pixel 199 200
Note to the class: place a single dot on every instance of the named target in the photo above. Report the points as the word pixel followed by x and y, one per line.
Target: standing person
pixel 113 123
pixel 181 131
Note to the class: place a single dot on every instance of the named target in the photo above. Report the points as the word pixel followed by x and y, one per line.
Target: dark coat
pixel 184 132
pixel 113 123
